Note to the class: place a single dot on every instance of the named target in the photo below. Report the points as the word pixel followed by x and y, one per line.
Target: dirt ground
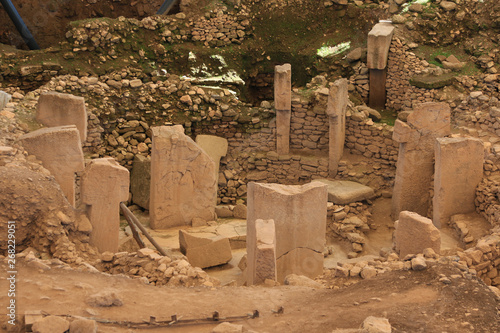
pixel 412 302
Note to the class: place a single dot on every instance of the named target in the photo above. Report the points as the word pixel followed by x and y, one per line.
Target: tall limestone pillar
pixel 283 106
pixel 336 110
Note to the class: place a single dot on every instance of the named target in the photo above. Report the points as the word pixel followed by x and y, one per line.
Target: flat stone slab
pixel 432 81
pixel 343 192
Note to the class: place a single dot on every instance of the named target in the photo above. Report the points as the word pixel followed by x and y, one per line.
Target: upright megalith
pixel 379 42
pixel 265 251
pixel 414 234
pixel 415 165
pixel 336 110
pixel 105 184
pixel 58 109
pixel 283 106
pixel 60 151
pixel 299 214
pixel 183 180
pixel 214 146
pixel 458 171
pixel 140 180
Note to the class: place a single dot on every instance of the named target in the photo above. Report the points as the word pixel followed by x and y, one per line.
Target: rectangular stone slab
pixel 379 42
pixel 343 192
pixel 458 171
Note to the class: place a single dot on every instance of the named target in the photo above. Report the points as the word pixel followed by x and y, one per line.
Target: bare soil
pixel 412 301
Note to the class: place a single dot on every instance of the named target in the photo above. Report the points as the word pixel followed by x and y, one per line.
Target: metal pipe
pixel 20 25
pixel 166 6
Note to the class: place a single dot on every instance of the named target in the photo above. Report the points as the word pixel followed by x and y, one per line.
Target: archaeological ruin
pixel 250 166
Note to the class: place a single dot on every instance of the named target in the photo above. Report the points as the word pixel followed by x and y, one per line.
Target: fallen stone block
pixel 50 324
pixel 414 234
pixel 205 252
pixel 343 192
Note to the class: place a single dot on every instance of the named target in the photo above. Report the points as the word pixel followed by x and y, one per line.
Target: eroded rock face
pixel 414 234
pixel 415 166
pixel 459 170
pixel 60 151
pixel 265 251
pixel 336 110
pixel 205 252
pixel 57 109
pixel 183 181
pixel 299 214
pixel 104 185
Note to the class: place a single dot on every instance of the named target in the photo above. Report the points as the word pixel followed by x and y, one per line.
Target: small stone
pixel 104 299
pixel 50 324
pixel 418 264
pixel 107 256
pixel 135 83
pixel 83 326
pixel 301 280
pixel 376 325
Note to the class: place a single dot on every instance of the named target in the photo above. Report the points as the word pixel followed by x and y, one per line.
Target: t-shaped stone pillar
pixel 415 166
pixel 299 214
pixel 379 42
pixel 336 110
pixel 60 151
pixel 183 181
pixel 57 109
pixel 283 106
pixel 459 170
pixel 104 185
pixel 214 146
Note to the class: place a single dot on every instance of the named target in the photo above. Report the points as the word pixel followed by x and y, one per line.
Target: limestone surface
pixel 214 146
pixel 414 234
pixel 105 184
pixel 58 109
pixel 205 252
pixel 458 172
pixel 140 178
pixel 183 181
pixel 343 192
pixel 379 41
pixel 336 110
pixel 299 214
pixel 415 165
pixel 4 99
pixel 61 153
pixel 265 251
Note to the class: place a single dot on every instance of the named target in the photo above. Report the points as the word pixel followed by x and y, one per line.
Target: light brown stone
pixel 183 180
pixel 458 171
pixel 415 165
pixel 60 151
pixel 50 324
pixel 336 110
pixel 299 214
pixel 83 326
pixel 57 109
pixel 283 106
pixel 205 252
pixel 265 251
pixel 414 234
pixel 214 146
pixel 104 185
pixel 379 42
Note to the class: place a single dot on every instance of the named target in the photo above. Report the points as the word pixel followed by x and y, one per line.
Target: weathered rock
pixel 458 171
pixel 265 251
pixel 140 179
pixel 336 110
pixel 418 263
pixel 415 165
pixel 428 81
pixel 60 151
pixel 448 5
pixel 214 146
pixel 414 234
pixel 57 109
pixel 376 325
pixel 104 185
pixel 205 252
pixel 183 180
pixel 104 299
pixel 240 211
pixel 50 324
pixel 283 106
pixel 83 326
pixel 4 99
pixel 299 214
pixel 343 192
pixel 302 281
pixel 379 42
